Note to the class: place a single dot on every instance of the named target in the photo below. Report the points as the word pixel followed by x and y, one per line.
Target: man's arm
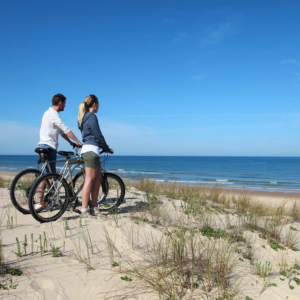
pixel 72 136
pixel 66 133
pixel 69 141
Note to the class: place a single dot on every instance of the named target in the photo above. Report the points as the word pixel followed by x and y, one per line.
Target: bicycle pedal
pixel 77 210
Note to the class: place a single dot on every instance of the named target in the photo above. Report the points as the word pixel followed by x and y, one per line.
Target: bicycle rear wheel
pixel 78 183
pixel 52 192
pixel 20 189
pixel 112 192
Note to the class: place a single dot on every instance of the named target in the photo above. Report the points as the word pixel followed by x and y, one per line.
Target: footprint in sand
pixel 48 288
pixel 68 261
pixel 278 294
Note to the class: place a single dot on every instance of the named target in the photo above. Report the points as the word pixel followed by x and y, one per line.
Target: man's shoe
pixel 37 206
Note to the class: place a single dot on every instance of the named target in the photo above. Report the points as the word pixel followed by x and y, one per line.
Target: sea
pixel 273 174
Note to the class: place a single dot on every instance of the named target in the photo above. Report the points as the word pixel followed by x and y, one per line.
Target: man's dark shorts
pixel 52 156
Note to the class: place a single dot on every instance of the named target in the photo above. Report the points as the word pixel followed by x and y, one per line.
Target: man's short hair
pixel 57 98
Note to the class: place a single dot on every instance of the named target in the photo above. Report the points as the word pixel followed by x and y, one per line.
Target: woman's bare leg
pixel 89 182
pixel 96 187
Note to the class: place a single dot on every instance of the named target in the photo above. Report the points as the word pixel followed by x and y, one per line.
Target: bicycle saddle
pixel 65 153
pixel 41 150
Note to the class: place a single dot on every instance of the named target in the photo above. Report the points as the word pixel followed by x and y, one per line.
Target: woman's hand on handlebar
pixel 111 151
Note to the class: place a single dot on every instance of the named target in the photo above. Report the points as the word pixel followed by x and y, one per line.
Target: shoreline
pixel 258 194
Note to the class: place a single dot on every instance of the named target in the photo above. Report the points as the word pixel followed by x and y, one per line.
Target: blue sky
pixel 173 77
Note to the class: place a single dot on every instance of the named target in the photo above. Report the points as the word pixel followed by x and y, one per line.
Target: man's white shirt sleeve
pixel 59 123
pixel 52 126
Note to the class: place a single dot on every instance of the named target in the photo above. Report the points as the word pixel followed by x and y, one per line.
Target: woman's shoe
pixel 98 215
pixel 87 215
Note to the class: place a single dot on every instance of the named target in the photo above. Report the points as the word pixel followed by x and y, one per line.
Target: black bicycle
pixel 51 194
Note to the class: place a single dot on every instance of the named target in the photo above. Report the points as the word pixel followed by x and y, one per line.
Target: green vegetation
pixel 210 232
pixel 296 266
pixel 126 278
pixel 55 251
pixel 114 264
pixel 4 183
pixel 263 270
pixel 272 284
pixel 275 245
pixel 25 244
pixel 18 253
pixel 297 280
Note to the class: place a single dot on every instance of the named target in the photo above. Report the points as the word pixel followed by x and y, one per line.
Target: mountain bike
pixel 55 194
pixel 23 181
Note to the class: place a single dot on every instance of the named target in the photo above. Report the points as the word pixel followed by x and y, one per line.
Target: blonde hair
pixel 85 105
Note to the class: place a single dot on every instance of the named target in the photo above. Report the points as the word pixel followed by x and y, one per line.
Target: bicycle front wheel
pixel 20 189
pixel 112 192
pixel 78 183
pixel 49 198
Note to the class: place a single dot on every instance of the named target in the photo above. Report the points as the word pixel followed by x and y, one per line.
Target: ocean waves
pixel 251 173
pixel 252 183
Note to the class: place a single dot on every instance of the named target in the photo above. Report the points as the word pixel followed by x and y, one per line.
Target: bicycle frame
pixel 67 170
pixel 72 160
pixel 44 166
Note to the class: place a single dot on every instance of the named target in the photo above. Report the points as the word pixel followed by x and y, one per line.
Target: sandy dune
pixel 83 269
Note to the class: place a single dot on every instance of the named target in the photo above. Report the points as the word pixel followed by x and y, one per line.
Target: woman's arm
pixel 94 125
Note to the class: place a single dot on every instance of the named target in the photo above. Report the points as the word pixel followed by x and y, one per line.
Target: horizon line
pixel 162 155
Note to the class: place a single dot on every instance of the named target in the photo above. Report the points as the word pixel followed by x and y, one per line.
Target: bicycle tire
pixel 112 192
pixel 20 189
pixel 52 198
pixel 77 189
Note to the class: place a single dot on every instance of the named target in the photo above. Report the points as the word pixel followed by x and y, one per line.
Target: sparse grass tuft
pixel 4 183
pixel 263 270
pixel 55 251
pixel 294 211
pixel 292 238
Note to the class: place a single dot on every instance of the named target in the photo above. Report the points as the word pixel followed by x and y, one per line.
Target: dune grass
pixel 4 182
pixel 189 242
pixel 195 257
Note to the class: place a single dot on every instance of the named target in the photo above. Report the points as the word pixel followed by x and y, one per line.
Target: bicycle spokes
pixel 112 192
pixel 49 197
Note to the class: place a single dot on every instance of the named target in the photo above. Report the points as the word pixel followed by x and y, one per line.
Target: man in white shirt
pixel 52 126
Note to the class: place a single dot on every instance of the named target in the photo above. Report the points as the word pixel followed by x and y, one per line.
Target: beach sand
pixel 96 253
pixel 268 198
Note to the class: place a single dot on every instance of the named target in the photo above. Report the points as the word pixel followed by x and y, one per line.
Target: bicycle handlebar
pixel 104 152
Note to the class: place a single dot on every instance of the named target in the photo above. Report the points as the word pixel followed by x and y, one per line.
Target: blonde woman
pixel 93 140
